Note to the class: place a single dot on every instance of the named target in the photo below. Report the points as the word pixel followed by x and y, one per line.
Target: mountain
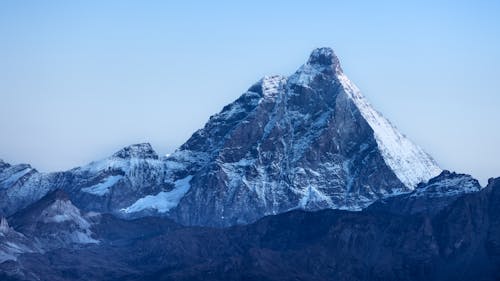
pixel 308 141
pixel 13 243
pixel 54 222
pixel 298 179
pixel 430 197
pixel 460 241
pixel 106 185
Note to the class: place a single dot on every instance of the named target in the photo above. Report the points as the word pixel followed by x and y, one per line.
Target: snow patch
pixel 272 85
pixel 163 201
pixel 102 188
pixel 408 161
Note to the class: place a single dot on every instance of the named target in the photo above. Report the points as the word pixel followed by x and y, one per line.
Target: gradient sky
pixel 81 79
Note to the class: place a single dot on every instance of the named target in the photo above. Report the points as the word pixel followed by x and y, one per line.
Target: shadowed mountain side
pixel 461 241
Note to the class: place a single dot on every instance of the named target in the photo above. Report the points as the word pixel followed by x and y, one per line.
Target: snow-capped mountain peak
pixel 310 141
pixel 409 162
pixel 324 58
pixel 141 150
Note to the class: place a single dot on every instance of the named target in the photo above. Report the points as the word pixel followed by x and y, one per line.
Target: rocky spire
pixel 4 225
pixel 140 150
pixel 324 58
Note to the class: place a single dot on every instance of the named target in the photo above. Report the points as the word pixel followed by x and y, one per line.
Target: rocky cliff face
pixel 308 141
pixel 54 222
pixel 106 185
pixel 13 243
pixel 430 197
pixel 286 147
pixel 460 241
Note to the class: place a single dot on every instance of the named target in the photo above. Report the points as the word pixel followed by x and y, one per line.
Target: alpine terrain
pixel 300 178
pixel 309 141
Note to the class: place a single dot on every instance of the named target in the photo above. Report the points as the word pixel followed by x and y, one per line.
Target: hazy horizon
pixel 81 80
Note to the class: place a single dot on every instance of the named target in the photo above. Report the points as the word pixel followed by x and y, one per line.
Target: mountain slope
pixel 13 243
pixel 54 222
pixel 309 141
pixel 460 241
pixel 106 185
pixel 430 197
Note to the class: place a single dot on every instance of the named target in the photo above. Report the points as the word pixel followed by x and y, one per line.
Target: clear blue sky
pixel 80 79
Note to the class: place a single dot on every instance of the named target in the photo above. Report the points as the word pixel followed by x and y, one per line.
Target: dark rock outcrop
pixel 461 241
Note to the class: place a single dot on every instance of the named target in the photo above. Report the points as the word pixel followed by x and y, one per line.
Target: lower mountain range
pixel 298 179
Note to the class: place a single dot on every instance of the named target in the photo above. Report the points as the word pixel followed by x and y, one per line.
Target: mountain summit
pixel 325 57
pixel 307 141
pixel 141 150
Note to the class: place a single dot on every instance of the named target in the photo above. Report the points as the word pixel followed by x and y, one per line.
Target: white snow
pixel 103 187
pixel 408 161
pixel 174 165
pixel 14 177
pixel 83 237
pixel 448 187
pixel 312 194
pixel 105 164
pixel 272 85
pixel 163 201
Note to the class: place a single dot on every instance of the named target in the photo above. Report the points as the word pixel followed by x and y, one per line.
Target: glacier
pixel 163 201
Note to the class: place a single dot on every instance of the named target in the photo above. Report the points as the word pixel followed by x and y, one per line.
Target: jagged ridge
pixel 308 141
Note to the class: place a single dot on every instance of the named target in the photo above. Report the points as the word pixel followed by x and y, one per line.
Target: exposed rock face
pixel 4 225
pixel 117 182
pixel 430 197
pixel 461 241
pixel 21 185
pixel 305 142
pixel 309 141
pixel 54 222
pixel 106 185
pixel 51 223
